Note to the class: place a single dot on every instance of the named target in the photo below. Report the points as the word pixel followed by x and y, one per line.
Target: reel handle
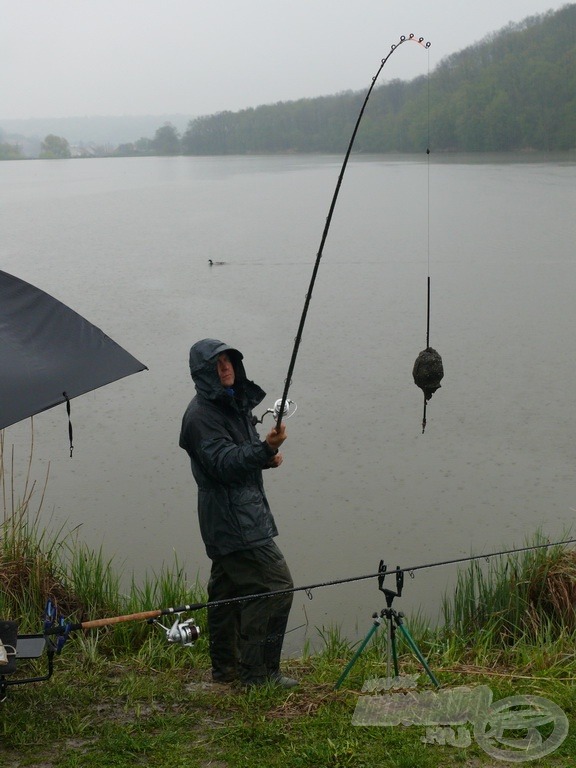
pixel 290 409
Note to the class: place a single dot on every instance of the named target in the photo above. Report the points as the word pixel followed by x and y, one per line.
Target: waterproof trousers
pixel 246 637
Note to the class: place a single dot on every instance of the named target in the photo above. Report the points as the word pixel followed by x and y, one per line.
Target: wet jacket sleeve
pixel 220 456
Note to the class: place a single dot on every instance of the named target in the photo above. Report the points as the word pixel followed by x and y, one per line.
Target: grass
pixel 525 599
pixel 124 712
pixel 121 697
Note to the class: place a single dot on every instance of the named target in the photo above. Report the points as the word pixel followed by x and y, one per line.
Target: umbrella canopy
pixel 49 353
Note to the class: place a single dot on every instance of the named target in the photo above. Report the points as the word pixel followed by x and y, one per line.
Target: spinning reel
pixel 290 408
pixel 183 633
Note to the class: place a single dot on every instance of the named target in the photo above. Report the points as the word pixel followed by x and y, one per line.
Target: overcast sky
pixel 63 58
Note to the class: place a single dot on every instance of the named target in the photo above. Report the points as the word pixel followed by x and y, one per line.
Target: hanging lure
pixel 428 370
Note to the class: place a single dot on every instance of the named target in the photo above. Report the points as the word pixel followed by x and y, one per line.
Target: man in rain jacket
pixel 237 526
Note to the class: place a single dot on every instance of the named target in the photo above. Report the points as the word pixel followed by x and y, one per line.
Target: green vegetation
pixel 121 697
pixel 515 90
pixel 55 148
pixel 10 151
pixel 166 141
pixel 527 598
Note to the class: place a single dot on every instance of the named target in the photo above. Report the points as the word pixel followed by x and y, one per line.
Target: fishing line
pixel 428 369
pixel 298 338
pixel 427 236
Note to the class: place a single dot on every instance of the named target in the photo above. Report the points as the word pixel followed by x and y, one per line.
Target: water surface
pixel 126 243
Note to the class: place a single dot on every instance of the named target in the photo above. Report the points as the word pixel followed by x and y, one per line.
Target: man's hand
pixel 275 461
pixel 276 437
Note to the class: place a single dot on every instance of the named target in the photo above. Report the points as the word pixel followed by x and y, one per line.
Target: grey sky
pixel 62 58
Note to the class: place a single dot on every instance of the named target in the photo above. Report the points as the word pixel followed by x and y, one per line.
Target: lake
pixel 126 243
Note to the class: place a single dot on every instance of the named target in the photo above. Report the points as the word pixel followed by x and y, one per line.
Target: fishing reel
pixel 183 633
pixel 290 408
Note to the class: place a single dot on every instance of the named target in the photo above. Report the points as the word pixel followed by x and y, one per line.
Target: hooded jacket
pixel 226 454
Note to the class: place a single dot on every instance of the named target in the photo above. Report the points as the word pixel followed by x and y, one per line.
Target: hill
pixel 514 90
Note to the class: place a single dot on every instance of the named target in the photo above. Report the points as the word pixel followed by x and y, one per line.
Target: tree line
pixel 52 148
pixel 514 90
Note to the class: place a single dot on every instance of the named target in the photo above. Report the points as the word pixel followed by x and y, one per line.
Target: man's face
pixel 225 370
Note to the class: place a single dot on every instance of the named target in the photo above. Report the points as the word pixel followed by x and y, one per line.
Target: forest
pixel 514 90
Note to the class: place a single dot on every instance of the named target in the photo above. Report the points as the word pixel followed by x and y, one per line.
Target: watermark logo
pixel 516 729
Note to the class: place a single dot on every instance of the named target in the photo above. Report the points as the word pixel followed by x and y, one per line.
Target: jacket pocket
pixel 252 513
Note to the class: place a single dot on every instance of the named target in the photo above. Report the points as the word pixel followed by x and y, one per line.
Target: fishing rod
pixel 410 571
pixel 187 632
pixel 281 407
pixel 183 633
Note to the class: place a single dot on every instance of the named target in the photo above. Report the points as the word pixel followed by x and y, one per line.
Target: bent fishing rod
pixel 282 406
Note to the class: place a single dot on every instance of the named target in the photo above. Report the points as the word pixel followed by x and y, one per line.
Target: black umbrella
pixel 50 354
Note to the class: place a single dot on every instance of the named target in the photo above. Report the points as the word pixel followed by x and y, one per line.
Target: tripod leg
pixel 389 646
pixel 394 649
pixel 354 658
pixel 416 650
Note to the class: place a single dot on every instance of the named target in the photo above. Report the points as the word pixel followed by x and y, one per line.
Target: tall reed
pixel 37 564
pixel 522 598
pixel 30 567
